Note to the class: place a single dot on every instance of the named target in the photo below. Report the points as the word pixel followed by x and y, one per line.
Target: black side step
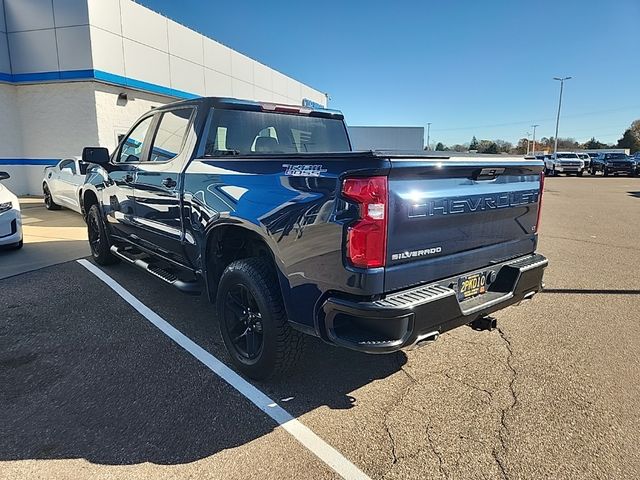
pixel 191 287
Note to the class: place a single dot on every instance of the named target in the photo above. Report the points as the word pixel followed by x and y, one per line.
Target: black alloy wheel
pixel 99 242
pixel 48 199
pixel 253 322
pixel 94 234
pixel 244 323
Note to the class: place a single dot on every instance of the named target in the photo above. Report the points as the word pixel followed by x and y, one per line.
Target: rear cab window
pixel 242 132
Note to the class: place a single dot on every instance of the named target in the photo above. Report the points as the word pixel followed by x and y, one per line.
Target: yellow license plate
pixel 472 285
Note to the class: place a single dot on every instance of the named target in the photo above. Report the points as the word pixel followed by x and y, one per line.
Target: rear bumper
pixel 405 318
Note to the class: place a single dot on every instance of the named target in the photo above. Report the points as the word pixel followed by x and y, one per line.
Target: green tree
pixel 593 144
pixel 459 148
pixel 521 147
pixel 440 147
pixel 631 137
pixel 474 145
pixel 503 146
pixel 488 146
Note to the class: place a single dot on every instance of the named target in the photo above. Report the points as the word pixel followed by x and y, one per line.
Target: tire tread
pixel 289 343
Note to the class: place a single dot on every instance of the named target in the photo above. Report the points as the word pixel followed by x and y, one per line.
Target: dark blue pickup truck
pixel 266 209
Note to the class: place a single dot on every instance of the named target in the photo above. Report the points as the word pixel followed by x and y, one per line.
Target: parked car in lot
pixel 564 162
pixel 62 183
pixel 10 217
pixel 266 209
pixel 586 159
pixel 636 161
pixel 613 164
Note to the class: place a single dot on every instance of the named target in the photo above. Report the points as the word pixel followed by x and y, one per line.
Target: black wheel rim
pixel 243 322
pixel 94 234
pixel 47 197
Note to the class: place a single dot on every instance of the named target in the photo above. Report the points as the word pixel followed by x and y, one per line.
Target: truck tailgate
pixel 450 216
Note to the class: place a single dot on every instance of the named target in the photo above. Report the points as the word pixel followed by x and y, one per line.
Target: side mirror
pixel 4 175
pixel 98 155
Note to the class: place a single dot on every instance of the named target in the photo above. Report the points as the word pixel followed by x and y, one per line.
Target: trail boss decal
pixel 303 170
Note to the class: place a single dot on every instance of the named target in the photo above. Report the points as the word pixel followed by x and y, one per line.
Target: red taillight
pixel 540 201
pixel 367 238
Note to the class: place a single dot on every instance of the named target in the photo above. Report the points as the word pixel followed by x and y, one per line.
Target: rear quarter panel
pixel 297 215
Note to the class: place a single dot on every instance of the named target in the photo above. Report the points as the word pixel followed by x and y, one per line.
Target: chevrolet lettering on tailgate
pixel 476 203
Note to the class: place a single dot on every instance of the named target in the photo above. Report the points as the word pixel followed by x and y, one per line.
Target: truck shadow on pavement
pixel 85 376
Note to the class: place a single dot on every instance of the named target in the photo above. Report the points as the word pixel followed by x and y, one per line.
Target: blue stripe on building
pixel 29 161
pixel 98 75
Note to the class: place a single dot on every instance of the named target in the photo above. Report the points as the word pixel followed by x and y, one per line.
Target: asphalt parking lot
pixel 91 389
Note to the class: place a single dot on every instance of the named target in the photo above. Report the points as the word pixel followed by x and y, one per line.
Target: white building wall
pixel 115 117
pixel 5 65
pixel 57 120
pixel 174 56
pixel 48 121
pixel 48 36
pixel 64 62
pixel 11 140
pixel 10 133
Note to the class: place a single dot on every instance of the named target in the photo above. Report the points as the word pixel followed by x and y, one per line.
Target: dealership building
pixel 76 73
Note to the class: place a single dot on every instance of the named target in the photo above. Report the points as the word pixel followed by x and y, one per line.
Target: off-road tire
pixel 282 346
pixel 101 250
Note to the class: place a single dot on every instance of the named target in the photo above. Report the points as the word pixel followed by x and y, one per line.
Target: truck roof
pixel 251 105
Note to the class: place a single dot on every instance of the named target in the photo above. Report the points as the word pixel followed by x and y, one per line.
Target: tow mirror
pixel 4 175
pixel 98 155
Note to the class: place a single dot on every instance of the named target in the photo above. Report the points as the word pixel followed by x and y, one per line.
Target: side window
pixel 170 135
pixel 132 147
pixel 68 166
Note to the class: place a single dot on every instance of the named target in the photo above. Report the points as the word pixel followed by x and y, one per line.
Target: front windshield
pixel 567 155
pixel 615 156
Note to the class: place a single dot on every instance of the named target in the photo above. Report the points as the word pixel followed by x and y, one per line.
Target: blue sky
pixel 479 68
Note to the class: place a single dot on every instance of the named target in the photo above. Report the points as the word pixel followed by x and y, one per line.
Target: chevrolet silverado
pixel 266 210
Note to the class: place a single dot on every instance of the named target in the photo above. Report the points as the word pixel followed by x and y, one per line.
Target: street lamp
pixel 561 80
pixel 428 135
pixel 528 135
pixel 534 138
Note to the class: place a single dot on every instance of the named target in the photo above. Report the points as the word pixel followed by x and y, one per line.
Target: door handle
pixel 169 182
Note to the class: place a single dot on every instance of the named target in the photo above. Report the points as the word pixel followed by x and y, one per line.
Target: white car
pixel 61 184
pixel 10 217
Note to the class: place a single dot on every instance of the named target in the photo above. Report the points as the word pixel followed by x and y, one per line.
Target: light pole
pixel 528 134
pixel 534 138
pixel 561 80
pixel 428 135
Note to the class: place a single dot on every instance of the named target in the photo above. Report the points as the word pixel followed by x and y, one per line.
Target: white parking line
pixel 304 435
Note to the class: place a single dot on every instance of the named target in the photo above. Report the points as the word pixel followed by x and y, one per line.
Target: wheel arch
pixel 231 241
pixel 87 198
